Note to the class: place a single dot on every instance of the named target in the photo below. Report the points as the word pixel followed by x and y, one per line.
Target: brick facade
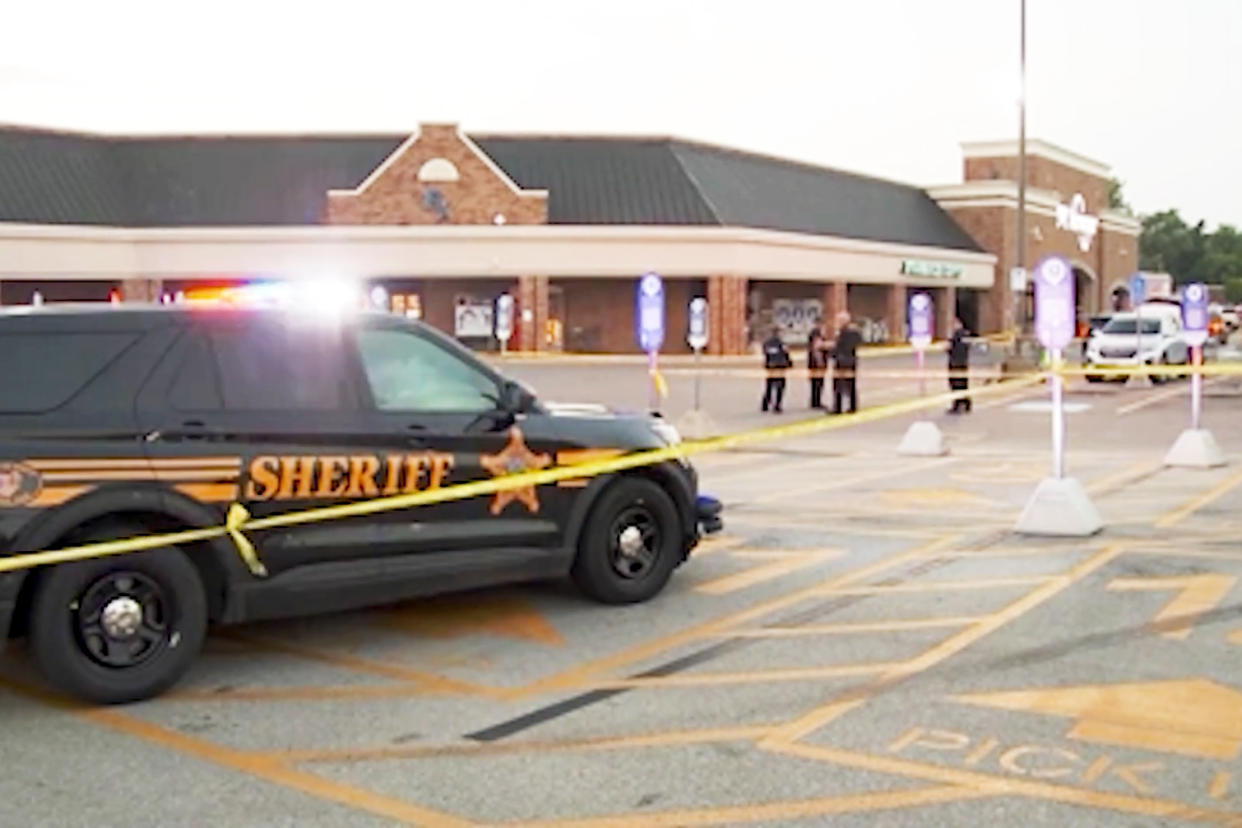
pixel 944 301
pixel 835 298
pixel 1111 257
pixel 895 311
pixel 141 290
pixel 727 316
pixel 394 195
pixel 532 313
pixel 1043 174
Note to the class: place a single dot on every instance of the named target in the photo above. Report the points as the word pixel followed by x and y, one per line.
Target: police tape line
pixel 1214 369
pixel 238 521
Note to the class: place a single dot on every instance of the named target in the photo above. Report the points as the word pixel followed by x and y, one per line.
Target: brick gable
pixel 393 193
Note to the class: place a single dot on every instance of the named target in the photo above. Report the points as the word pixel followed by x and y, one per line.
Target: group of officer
pixel 841 349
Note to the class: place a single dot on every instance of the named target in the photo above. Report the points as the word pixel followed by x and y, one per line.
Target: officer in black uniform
pixel 845 359
pixel 959 364
pixel 817 365
pixel 775 362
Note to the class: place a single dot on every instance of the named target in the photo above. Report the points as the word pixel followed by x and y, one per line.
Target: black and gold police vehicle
pixel 118 422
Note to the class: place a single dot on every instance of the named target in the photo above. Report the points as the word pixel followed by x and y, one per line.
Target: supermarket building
pixel 445 222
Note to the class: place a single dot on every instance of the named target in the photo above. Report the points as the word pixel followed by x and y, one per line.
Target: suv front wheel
pixel 118 629
pixel 630 545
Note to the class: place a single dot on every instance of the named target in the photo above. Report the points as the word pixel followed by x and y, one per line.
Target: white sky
pixel 888 87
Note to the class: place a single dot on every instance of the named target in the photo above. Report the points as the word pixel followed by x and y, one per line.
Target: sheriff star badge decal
pixel 514 459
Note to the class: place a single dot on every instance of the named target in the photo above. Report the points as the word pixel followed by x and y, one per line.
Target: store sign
pixel 504 317
pixel 1073 217
pixel 472 318
pixel 794 318
pixel 1195 313
pixel 934 270
pixel 650 313
pixel 697 335
pixel 1054 303
pixel 920 314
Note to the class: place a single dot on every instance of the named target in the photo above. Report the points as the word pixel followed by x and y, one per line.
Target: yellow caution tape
pixel 238 521
pixel 233 523
pixel 661 385
pixel 1212 369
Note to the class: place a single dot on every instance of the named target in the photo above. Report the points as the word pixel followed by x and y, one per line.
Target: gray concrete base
pixel 697 425
pixel 923 439
pixel 1059 507
pixel 1195 448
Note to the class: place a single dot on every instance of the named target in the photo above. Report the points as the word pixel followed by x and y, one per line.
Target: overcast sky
pixel 888 87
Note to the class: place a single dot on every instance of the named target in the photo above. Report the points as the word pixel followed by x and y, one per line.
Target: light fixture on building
pixel 499 219
pixel 37 299
pixel 379 297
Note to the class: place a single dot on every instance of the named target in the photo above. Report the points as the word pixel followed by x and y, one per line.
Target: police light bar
pixel 325 295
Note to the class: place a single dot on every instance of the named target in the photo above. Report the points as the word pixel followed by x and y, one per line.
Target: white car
pixel 1120 344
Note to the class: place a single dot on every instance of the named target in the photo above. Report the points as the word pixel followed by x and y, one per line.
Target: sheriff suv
pixel 120 422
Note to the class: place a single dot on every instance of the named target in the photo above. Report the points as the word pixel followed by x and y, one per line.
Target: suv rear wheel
pixel 630 545
pixel 118 629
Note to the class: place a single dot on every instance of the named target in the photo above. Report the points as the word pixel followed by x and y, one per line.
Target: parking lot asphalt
pixel 867 643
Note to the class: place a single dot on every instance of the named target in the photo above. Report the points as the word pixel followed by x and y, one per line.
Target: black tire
pixel 1160 379
pixel 69 637
pixel 607 574
pixel 1094 378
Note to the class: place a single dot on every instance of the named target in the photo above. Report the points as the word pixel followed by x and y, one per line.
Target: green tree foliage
pixel 1168 244
pixel 1233 290
pixel 1117 199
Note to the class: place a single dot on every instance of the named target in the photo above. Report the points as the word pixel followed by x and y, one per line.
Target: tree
pixel 1116 199
pixel 1222 256
pixel 1169 245
pixel 1233 291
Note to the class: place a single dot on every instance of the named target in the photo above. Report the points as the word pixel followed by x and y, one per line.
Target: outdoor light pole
pixel 1020 311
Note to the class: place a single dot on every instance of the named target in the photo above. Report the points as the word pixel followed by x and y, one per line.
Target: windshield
pixel 1127 326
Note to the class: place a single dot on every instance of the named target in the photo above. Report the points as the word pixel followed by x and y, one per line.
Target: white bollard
pixel 1060 507
pixel 923 439
pixel 1195 448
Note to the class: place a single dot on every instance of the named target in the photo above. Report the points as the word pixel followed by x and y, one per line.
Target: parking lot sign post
pixel 923 438
pixel 1195 322
pixel 1054 328
pixel 920 315
pixel 1195 447
pixel 697 338
pixel 1060 505
pixel 649 316
pixel 504 320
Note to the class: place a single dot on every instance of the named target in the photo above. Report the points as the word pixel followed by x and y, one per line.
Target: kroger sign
pixel 1073 217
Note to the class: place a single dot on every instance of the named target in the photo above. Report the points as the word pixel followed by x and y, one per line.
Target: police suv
pixel 122 422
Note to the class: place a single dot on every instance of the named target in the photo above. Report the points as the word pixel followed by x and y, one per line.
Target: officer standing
pixel 959 364
pixel 845 359
pixel 817 365
pixel 775 362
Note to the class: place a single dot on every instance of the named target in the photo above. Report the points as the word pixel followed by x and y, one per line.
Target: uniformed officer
pixel 959 364
pixel 845 363
pixel 776 362
pixel 817 365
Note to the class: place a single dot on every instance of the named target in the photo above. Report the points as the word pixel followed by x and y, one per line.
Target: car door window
pixel 408 372
pixel 282 367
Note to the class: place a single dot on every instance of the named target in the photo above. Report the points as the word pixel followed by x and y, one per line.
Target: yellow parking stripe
pixel 1190 507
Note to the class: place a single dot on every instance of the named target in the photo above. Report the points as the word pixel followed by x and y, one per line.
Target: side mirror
pixel 516 398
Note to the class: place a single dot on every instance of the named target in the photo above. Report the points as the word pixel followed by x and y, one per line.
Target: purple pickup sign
pixel 1195 312
pixel 1054 303
pixel 920 320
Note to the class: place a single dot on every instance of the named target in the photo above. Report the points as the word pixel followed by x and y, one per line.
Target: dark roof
pixel 64 178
